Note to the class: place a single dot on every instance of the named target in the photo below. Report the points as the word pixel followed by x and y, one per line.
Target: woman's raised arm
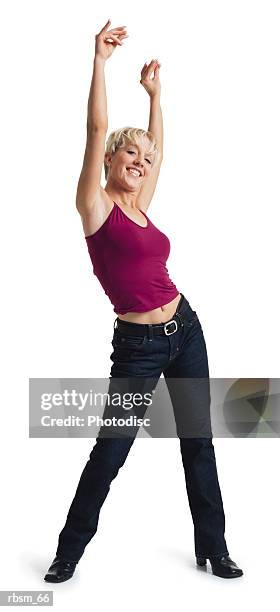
pixel 153 88
pixel 97 120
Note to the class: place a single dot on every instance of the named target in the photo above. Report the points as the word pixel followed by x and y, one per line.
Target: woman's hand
pixel 153 85
pixel 103 47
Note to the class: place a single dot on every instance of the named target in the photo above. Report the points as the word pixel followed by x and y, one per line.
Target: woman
pixel 156 329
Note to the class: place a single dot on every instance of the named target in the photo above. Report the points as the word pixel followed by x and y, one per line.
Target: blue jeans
pixel 179 355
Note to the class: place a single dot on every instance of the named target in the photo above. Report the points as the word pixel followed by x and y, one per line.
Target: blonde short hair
pixel 119 138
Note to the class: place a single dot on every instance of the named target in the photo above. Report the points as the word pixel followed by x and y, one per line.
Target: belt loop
pixel 150 331
pixel 115 322
pixel 180 302
pixel 180 318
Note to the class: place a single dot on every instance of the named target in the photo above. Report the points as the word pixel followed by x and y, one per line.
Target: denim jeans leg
pixel 106 458
pixel 205 501
pixel 198 457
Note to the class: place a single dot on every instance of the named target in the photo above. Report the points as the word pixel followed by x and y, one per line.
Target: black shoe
pixel 60 570
pixel 223 566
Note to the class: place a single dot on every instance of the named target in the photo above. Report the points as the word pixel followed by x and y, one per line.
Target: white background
pixel 217 199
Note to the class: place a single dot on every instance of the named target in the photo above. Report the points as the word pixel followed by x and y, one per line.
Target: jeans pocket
pixel 127 350
pixel 128 342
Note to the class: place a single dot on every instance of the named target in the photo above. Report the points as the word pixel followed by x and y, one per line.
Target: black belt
pixel 142 329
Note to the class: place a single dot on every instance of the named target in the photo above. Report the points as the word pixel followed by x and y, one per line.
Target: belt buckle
pixel 167 333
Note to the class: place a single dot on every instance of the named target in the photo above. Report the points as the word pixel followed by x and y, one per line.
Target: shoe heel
pixel 201 561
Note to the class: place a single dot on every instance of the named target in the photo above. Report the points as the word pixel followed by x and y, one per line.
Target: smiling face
pixel 130 165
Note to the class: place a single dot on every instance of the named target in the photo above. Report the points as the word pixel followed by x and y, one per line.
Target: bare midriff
pixel 156 316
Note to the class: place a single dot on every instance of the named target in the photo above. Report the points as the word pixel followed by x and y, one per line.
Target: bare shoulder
pixel 93 218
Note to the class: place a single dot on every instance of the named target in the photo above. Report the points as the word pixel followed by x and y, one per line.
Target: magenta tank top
pixel 130 263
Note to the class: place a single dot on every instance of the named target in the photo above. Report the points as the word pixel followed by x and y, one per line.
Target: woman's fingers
pixel 144 69
pixel 120 28
pixel 115 38
pixel 148 68
pixel 117 34
pixel 107 25
pixel 152 62
pixel 157 70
